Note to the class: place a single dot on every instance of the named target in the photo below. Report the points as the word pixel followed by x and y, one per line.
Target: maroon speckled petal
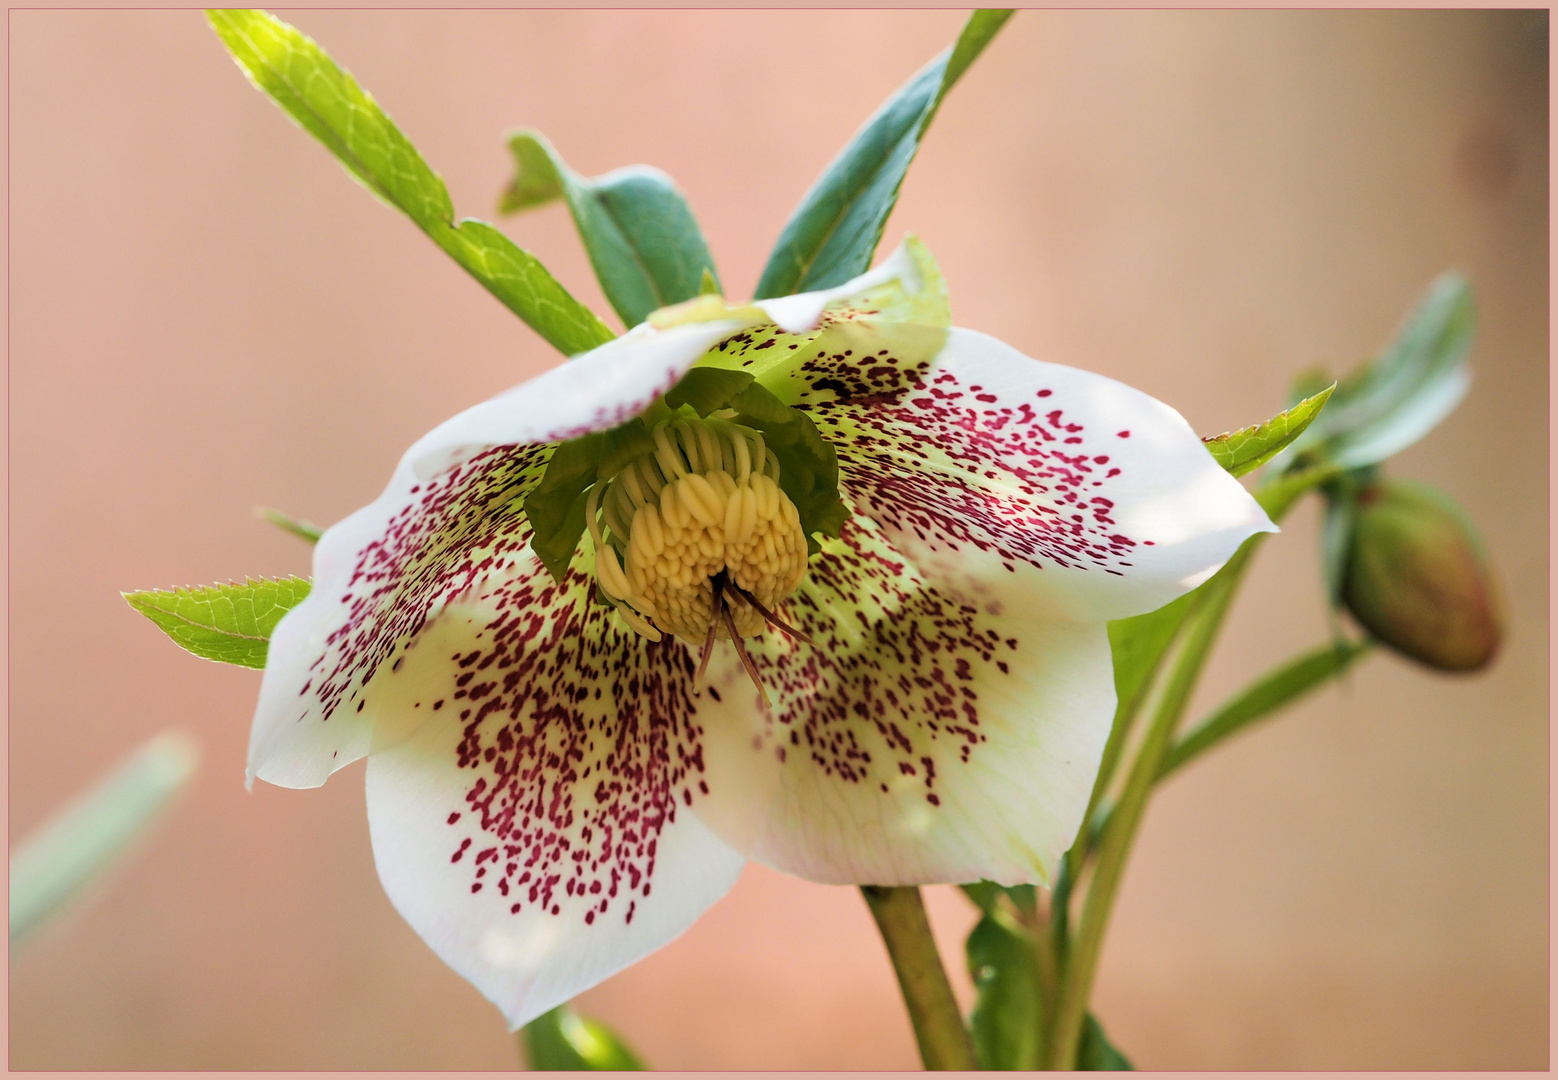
pixel 450 517
pixel 1031 487
pixel 922 741
pixel 529 787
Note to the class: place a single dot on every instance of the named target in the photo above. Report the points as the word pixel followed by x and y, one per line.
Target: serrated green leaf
pixel 1399 397
pixel 832 235
pixel 329 104
pixel 563 1041
pixel 1273 691
pixel 1095 1053
pixel 1006 1022
pixel 641 236
pixel 230 624
pixel 1247 449
pixel 51 866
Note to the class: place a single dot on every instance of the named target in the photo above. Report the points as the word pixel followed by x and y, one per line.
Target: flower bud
pixel 1417 580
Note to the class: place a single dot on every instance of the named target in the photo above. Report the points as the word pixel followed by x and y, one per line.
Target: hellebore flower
pixel 838 605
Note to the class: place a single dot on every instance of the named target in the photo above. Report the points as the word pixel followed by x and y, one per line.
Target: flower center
pixel 696 538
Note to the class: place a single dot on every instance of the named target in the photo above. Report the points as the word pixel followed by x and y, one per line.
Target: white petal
pixel 534 829
pixel 592 392
pixel 921 741
pixel 1011 482
pixel 803 311
pixel 379 576
pixel 450 516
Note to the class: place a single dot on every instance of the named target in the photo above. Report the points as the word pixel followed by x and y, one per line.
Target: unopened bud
pixel 1417 579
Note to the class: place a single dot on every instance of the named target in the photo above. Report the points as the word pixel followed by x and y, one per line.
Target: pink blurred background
pixel 207 315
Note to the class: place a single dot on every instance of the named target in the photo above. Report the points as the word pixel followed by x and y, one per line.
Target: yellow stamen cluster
pixel 706 500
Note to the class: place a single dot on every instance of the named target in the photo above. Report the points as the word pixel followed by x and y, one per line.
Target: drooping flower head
pixel 820 581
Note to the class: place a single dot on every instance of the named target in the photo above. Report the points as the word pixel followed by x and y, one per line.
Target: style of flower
pixel 841 609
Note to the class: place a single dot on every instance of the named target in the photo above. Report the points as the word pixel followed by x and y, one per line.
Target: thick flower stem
pixel 934 1012
pixel 1115 843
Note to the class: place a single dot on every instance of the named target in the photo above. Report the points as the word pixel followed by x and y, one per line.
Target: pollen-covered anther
pixel 705 505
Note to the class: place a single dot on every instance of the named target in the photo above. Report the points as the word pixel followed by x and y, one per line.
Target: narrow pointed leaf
pixel 1403 394
pixel 329 104
pixel 564 1041
pixel 1005 1023
pixel 230 623
pixel 305 530
pixel 641 236
pixel 1273 691
pixel 834 232
pixel 51 866
pixel 1138 646
pixel 1247 449
pixel 1336 528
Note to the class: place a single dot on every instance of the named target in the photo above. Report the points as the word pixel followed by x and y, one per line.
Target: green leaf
pixel 1095 1053
pixel 538 174
pixel 329 104
pixel 1336 529
pixel 1403 394
pixel 1273 691
pixel 1006 1021
pixel 564 1041
pixel 230 623
pixel 305 530
pixel 1247 449
pixel 1138 645
pixel 51 866
pixel 832 235
pixel 641 236
pixel 985 894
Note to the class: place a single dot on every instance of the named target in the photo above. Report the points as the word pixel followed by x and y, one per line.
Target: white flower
pixel 553 793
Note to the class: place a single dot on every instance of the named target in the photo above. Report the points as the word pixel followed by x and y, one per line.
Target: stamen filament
pixel 746 661
pixel 772 619
pixel 708 642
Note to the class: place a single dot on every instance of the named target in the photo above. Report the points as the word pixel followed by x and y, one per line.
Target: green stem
pixel 934 1012
pixel 1115 843
pixel 1276 689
